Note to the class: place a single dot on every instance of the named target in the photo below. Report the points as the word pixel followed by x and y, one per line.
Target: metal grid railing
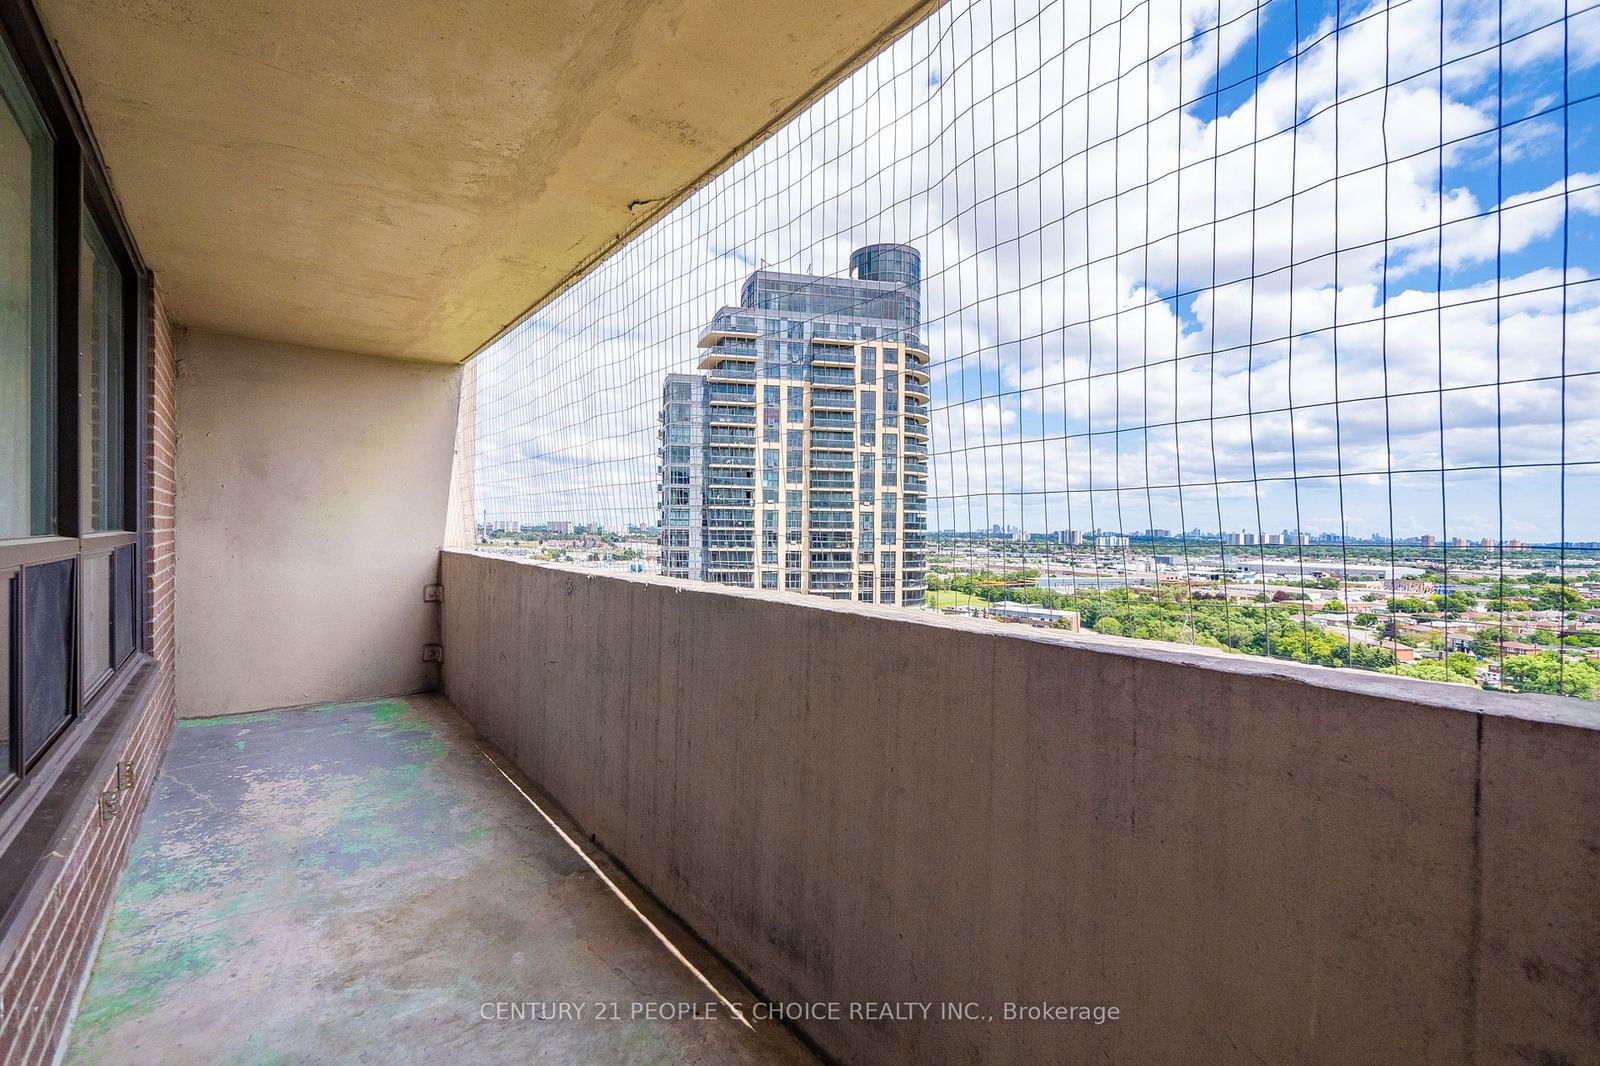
pixel 1267 326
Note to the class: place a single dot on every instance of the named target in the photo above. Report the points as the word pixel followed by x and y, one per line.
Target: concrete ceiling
pixel 408 177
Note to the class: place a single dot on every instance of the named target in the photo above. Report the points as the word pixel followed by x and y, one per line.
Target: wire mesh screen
pixel 1269 327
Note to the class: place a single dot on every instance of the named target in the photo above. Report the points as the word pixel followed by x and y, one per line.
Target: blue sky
pixel 1221 265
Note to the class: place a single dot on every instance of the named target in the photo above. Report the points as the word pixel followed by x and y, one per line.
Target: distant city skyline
pixel 1282 538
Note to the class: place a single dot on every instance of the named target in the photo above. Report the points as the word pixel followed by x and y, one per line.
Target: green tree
pixel 1410 605
pixel 1434 670
pixel 1545 672
pixel 1487 643
pixel 1425 669
pixel 1557 598
pixel 1462 665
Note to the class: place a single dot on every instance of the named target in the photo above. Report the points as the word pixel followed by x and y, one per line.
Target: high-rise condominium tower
pixel 799 459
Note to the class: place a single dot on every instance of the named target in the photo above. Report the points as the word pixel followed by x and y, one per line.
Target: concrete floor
pixel 354 883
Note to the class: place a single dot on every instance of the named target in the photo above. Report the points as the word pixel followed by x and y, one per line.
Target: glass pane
pixel 26 379
pixel 96 620
pixel 124 587
pixel 8 585
pixel 47 654
pixel 101 358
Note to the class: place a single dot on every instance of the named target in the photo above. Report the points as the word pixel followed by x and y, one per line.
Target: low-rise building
pixel 1007 611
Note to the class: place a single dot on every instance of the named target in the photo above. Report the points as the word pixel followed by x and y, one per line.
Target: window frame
pixel 79 190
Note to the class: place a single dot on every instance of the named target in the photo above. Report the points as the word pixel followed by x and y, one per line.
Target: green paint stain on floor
pixel 383 817
pixel 339 883
pixel 206 865
pixel 130 979
pixel 399 716
pixel 253 718
pixel 335 797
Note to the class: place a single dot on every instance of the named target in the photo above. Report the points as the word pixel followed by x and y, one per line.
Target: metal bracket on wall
pixel 433 594
pixel 433 653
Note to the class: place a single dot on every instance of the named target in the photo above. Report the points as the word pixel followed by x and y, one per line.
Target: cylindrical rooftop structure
pixel 900 264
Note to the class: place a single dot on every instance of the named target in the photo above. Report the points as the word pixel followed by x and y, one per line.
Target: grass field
pixel 951 598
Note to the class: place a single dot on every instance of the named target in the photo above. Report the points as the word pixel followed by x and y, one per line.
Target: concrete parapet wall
pixel 1253 861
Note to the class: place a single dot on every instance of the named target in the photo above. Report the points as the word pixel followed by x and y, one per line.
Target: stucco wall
pixel 1254 862
pixel 311 500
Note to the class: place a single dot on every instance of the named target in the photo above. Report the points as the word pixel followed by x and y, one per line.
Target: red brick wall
pixel 39 984
pixel 161 470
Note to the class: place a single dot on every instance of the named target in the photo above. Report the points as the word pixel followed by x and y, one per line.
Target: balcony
pixel 728 323
pixel 730 559
pixel 825 420
pixel 824 331
pixel 832 355
pixel 729 518
pixel 840 561
pixel 609 816
pixel 372 814
pixel 739 394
